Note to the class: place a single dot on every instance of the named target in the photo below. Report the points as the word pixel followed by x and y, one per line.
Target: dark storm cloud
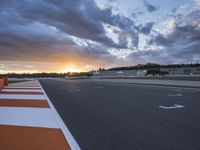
pixel 44 27
pixel 137 13
pixel 146 29
pixel 51 30
pixel 72 17
pixel 160 39
pixel 150 7
pixel 183 41
pixel 188 34
pixel 81 18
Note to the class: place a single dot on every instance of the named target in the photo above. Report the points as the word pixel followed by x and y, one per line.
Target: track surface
pixel 115 116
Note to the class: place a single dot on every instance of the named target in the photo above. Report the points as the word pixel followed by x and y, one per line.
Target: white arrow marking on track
pixel 172 107
pixel 75 90
pixel 98 87
pixel 175 94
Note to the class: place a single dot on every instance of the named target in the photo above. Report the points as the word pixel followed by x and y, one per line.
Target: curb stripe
pixel 10 88
pixel 31 138
pixel 24 103
pixel 21 92
pixel 20 87
pixel 26 116
pixel 21 96
pixel 28 120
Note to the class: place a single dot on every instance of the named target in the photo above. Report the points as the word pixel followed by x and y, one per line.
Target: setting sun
pixel 71 68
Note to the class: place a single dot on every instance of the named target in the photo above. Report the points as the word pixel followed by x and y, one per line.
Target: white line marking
pixel 98 87
pixel 185 90
pixel 70 139
pixel 34 117
pixel 20 87
pixel 75 87
pixel 23 84
pixel 75 90
pixel 192 91
pixel 175 94
pixel 172 107
pixel 19 90
pixel 177 90
pixel 21 96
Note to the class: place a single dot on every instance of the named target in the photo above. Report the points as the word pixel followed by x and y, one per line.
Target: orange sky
pixel 59 66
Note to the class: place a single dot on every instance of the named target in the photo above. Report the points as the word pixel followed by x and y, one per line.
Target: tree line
pixel 151 66
pixel 44 75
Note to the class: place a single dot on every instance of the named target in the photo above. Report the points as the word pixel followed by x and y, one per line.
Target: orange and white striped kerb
pixel 28 120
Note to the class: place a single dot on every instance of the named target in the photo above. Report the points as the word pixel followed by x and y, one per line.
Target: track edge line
pixel 68 136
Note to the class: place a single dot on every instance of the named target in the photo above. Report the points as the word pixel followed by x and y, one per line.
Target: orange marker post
pixel 5 78
pixel 1 84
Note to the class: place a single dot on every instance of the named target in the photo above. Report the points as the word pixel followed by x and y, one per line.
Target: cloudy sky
pixel 81 35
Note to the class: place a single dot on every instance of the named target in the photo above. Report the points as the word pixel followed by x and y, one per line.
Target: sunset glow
pixel 72 68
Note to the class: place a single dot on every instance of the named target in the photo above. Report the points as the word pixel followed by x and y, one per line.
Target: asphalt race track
pixel 120 116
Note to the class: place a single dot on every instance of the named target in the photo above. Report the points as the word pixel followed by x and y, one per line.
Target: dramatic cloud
pixel 84 32
pixel 146 29
pixel 183 39
pixel 46 24
pixel 150 7
pixel 137 14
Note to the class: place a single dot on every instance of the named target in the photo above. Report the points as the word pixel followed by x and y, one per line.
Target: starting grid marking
pixel 175 94
pixel 175 106
pixel 186 90
pixel 98 87
pixel 75 90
